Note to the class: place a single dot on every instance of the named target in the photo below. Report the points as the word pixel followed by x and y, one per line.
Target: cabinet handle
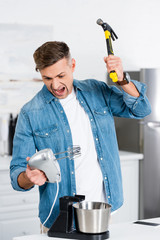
pixel 153 125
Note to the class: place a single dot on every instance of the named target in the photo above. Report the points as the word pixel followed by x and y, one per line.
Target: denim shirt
pixel 42 123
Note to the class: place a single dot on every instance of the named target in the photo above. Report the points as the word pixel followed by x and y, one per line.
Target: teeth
pixel 59 90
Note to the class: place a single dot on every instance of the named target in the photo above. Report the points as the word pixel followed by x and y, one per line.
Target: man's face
pixel 59 77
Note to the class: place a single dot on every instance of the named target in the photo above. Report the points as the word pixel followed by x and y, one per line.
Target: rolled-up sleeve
pixel 14 175
pixel 124 105
pixel 23 146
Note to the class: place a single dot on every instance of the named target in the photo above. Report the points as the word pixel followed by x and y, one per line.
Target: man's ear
pixel 73 64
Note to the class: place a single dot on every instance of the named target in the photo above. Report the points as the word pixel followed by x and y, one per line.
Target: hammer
pixel 109 33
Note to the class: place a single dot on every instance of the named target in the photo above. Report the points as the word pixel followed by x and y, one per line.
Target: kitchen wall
pixel 18 79
pixel 135 22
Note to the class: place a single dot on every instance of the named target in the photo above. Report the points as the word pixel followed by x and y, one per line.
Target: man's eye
pixel 61 76
pixel 48 78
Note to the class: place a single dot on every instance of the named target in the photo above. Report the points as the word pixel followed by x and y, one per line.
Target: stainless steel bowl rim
pixel 76 205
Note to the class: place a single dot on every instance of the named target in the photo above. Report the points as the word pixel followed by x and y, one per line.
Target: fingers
pixel 114 63
pixel 28 167
pixel 27 159
pixel 36 176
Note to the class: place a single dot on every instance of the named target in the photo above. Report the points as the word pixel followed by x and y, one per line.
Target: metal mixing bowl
pixel 92 217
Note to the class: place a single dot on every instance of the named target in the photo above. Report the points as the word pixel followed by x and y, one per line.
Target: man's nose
pixel 55 83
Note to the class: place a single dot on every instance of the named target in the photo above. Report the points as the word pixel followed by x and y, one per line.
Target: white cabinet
pixel 18 210
pixel 130 177
pixel 18 227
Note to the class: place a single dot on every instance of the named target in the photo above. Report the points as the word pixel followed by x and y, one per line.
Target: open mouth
pixel 59 92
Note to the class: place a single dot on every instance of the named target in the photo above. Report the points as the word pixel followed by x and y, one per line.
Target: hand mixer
pixel 46 161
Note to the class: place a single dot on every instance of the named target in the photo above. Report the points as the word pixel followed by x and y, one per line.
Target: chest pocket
pixel 47 137
pixel 102 111
pixel 104 119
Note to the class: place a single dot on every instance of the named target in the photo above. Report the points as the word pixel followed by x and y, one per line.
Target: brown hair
pixel 50 53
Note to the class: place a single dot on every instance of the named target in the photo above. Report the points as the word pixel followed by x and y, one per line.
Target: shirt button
pixel 105 178
pixel 96 139
pixel 91 119
pixel 61 111
pixel 74 194
pixel 67 131
pixel 56 99
pixel 81 101
pixel 104 111
pixel 101 159
pixel 72 173
pixel 46 134
pixel 108 196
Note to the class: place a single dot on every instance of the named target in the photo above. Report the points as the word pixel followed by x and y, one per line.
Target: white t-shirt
pixel 89 180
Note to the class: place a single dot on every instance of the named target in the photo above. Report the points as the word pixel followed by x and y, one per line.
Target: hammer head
pixel 105 27
pixel 99 21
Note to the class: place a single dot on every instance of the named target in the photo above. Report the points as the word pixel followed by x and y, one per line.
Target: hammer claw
pixel 113 35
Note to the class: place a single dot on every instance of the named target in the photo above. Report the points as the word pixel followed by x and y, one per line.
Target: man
pixel 68 112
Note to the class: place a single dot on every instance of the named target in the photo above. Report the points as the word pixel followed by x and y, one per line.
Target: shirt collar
pixel 48 96
pixel 78 85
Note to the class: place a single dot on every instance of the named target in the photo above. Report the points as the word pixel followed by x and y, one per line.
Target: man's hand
pixel 36 176
pixel 31 177
pixel 114 63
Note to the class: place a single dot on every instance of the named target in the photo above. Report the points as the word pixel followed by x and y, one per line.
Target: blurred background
pixel 24 26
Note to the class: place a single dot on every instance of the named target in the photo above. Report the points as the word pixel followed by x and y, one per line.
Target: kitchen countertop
pixel 5 161
pixel 124 155
pixel 123 231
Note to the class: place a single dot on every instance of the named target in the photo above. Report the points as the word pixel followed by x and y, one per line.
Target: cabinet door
pixel 4 177
pixel 18 199
pixel 151 170
pixel 20 227
pixel 130 177
pixel 18 212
